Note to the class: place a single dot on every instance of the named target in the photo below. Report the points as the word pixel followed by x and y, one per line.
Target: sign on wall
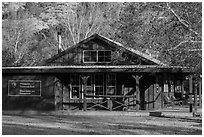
pixel 24 88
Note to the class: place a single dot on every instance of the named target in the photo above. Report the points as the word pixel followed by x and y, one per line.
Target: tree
pixel 18 30
pixel 78 20
pixel 30 30
pixel 172 31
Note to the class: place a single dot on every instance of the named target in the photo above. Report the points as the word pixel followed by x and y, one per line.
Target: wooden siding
pixel 75 55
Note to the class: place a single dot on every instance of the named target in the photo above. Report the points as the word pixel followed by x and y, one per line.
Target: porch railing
pixel 109 100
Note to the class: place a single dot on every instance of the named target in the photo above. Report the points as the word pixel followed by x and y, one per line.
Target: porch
pixel 130 87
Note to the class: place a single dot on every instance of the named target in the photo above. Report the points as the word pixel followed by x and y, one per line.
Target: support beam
pixel 195 100
pixel 137 83
pixel 182 91
pixel 200 94
pixel 190 93
pixel 84 81
pixel 162 92
pixel 58 89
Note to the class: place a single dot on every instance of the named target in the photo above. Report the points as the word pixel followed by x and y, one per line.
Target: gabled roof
pixel 111 42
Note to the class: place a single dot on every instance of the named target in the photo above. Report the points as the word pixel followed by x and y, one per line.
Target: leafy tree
pixel 18 30
pixel 78 21
pixel 168 31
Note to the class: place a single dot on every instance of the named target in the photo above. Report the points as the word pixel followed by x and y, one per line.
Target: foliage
pixel 170 32
pixel 77 21
pixel 18 35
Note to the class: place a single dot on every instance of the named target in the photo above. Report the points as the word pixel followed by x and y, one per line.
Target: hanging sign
pixel 24 88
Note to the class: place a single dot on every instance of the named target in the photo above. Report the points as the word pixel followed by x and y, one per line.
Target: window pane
pixel 99 84
pixel 101 59
pixel 75 92
pixel 111 80
pixel 99 79
pixel 93 56
pixel 107 53
pixel 90 56
pixel 104 56
pixel 75 84
pixel 110 90
pixel 111 84
pixel 107 56
pixel 89 90
pixel 107 59
pixel 87 59
pixel 100 53
pixel 99 91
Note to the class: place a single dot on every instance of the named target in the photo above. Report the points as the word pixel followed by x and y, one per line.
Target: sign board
pixel 24 88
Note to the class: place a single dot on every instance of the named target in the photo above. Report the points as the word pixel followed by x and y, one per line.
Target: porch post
pixel 195 100
pixel 58 89
pixel 84 81
pixel 162 92
pixel 190 93
pixel 137 78
pixel 200 94
pixel 182 91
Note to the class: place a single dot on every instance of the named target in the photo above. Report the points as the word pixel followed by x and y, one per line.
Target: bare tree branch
pixel 70 30
pixel 184 22
pixel 190 41
pixel 79 32
pixel 195 50
pixel 16 43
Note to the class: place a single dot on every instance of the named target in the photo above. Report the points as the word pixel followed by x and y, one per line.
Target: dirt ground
pixel 98 123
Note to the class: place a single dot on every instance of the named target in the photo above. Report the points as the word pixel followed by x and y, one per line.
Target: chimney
pixel 60 49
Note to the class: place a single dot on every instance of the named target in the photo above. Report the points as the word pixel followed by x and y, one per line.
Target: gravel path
pixel 105 123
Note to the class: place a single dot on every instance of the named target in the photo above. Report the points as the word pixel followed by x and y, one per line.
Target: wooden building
pixel 97 73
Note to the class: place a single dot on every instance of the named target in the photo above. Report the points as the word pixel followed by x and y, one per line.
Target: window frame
pixel 90 61
pixel 99 86
pixel 109 85
pixel 97 56
pixel 103 56
pixel 77 76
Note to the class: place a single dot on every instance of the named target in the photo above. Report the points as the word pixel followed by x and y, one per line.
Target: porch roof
pixel 94 68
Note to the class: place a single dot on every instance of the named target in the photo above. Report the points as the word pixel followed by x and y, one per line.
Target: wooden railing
pixel 108 101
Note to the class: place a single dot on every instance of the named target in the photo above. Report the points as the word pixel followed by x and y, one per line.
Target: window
pixel 90 56
pixel 89 87
pixel 97 56
pixel 104 56
pixel 111 84
pixel 99 86
pixel 75 85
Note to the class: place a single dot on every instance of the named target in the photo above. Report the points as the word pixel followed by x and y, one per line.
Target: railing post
pixel 190 93
pixel 195 100
pixel 110 104
pixel 200 94
pixel 182 91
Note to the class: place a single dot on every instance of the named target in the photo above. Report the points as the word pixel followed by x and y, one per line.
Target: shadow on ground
pixel 106 125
